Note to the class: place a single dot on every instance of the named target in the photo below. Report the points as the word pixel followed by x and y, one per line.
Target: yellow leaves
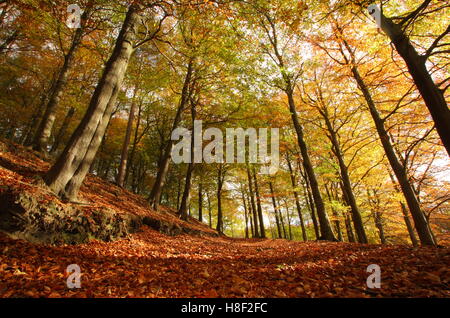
pixel 280 293
pixel 18 272
pixel 205 274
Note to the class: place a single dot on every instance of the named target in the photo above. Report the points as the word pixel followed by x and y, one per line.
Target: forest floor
pixel 151 264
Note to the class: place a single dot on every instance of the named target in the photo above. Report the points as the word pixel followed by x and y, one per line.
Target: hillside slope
pixel 20 180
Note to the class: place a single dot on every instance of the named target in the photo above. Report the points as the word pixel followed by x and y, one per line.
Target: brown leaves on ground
pixel 150 264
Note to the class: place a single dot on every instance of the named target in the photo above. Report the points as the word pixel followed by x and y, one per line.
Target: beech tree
pixel 359 152
pixel 44 130
pixel 431 93
pixel 67 174
pixel 420 221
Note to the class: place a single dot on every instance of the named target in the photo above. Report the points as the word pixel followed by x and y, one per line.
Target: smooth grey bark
pixel 67 174
pixel 74 184
pixel 43 133
pixel 62 131
pixel 431 94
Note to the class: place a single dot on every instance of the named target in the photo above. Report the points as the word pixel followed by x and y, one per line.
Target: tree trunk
pixel 135 143
pixel 220 178
pixel 431 94
pixel 253 205
pixel 310 202
pixel 126 145
pixel 187 186
pixel 258 203
pixel 297 202
pixel 408 224
pixel 337 223
pixel 283 227
pixel 379 225
pixel 245 215
pixel 289 220
pixel 27 139
pixel 185 200
pixel 44 130
pixel 200 201
pixel 250 217
pixel 347 187
pixel 420 222
pixel 67 174
pixel 178 193
pixel 163 167
pixel 63 129
pixel 277 220
pixel 209 209
pixel 374 201
pixel 348 227
pixel 325 226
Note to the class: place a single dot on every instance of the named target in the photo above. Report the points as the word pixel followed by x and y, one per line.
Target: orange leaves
pixel 150 264
pixel 205 274
pixel 212 293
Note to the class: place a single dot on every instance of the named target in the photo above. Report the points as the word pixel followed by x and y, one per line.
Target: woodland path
pixel 151 264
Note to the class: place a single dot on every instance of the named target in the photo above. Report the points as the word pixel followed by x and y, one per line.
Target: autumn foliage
pixel 354 97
